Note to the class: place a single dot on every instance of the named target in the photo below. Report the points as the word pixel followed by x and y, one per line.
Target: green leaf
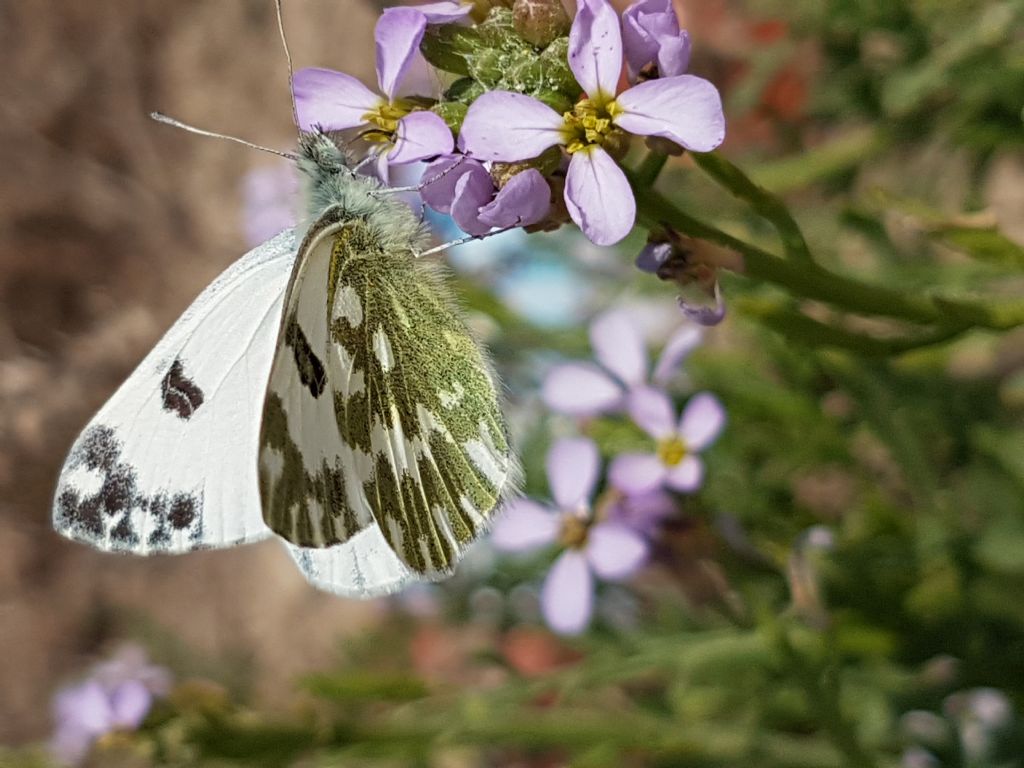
pixel 266 744
pixel 450 47
pixel 984 244
pixel 355 686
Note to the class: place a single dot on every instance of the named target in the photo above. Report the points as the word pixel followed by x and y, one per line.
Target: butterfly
pixel 325 388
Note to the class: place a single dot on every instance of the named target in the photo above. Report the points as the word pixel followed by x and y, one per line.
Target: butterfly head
pixel 334 185
pixel 323 154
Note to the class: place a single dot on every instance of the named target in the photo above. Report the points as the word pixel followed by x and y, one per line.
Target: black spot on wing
pixel 183 511
pixel 311 371
pixel 180 394
pixel 117 506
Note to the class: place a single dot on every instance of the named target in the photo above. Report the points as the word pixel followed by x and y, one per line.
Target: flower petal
pixel 573 465
pixel 331 100
pixel 641 22
pixel 509 127
pixel 580 389
pixel 704 314
pixel 636 473
pixel 599 197
pixel 524 525
pixel 686 339
pixel 595 48
pixel 524 200
pixel 130 703
pixel 398 34
pixel 440 177
pixel 84 707
pixel 472 191
pixel 644 512
pixel 684 109
pixel 615 551
pixel 421 135
pixel 651 34
pixel 652 411
pixel 379 169
pixel 619 347
pixel 687 475
pixel 674 54
pixel 702 421
pixel 443 12
pixel 652 256
pixel 567 597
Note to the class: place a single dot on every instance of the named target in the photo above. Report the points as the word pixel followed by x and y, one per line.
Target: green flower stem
pixel 761 200
pixel 806 330
pixel 810 280
pixel 649 169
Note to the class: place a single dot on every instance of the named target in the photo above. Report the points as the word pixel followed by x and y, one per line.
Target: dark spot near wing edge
pixel 180 394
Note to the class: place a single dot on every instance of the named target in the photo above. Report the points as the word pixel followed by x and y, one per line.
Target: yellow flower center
pixel 671 450
pixel 385 120
pixel 590 124
pixel 574 532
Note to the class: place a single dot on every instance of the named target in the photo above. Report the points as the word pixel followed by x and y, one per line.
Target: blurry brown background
pixel 110 225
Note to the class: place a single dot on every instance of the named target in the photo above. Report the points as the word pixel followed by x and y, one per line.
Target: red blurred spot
pixel 535 652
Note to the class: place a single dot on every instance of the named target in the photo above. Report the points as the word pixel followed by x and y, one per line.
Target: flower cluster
pixel 608 538
pixel 534 116
pixel 116 696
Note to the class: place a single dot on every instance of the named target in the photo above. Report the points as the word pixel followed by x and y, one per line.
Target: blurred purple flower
pixel 511 127
pixel 607 550
pixel 117 695
pixel 336 101
pixel 651 36
pixel 644 512
pixel 675 463
pixel 463 188
pixel 268 202
pixel 586 389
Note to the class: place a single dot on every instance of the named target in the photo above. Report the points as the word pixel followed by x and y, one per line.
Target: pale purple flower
pixel 608 550
pixel 335 101
pixel 675 464
pixel 511 127
pixel 463 188
pixel 117 695
pixel 645 512
pixel 268 202
pixel 443 12
pixel 651 36
pixel 587 389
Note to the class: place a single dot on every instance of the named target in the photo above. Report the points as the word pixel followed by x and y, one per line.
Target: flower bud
pixel 540 21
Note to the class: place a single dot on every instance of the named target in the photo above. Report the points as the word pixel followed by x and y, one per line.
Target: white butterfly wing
pixel 169 463
pixel 364 566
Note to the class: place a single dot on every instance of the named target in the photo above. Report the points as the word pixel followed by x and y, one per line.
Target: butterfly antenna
pixel 279 5
pixel 461 241
pixel 162 118
pixel 419 187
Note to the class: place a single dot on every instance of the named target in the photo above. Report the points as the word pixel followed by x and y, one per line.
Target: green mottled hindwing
pixel 381 409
